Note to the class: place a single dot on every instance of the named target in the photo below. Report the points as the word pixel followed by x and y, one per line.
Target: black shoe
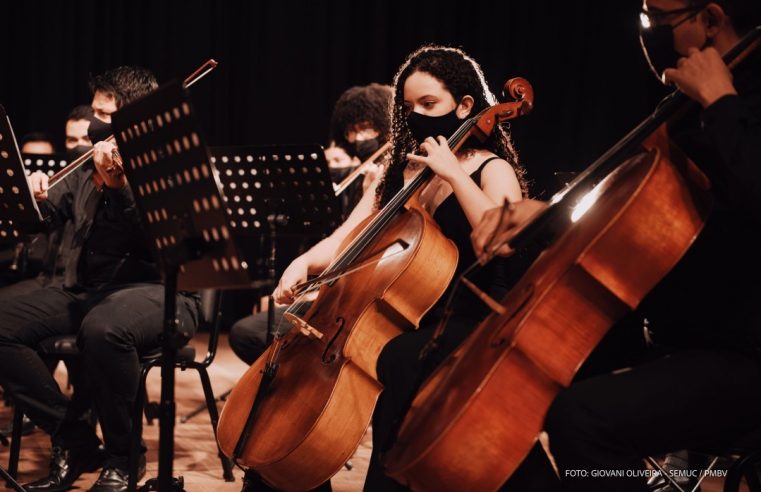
pixel 678 467
pixel 115 479
pixel 253 483
pixel 66 465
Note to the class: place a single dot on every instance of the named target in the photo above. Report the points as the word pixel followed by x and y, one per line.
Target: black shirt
pixel 713 296
pixel 108 246
pixel 495 279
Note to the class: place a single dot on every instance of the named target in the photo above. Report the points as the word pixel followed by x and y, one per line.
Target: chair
pixel 211 302
pixel 745 456
pixel 65 348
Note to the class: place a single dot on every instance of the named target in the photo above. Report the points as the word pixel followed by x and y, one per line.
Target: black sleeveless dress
pixel 399 366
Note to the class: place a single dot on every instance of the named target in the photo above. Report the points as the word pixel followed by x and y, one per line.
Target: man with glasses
pixel 705 393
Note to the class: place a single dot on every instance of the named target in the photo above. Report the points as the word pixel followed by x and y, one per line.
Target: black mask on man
pixel 337 174
pixel 75 152
pixel 422 126
pixel 98 130
pixel 363 149
pixel 657 44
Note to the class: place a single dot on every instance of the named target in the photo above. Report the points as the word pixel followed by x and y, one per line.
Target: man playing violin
pixel 705 310
pixel 112 298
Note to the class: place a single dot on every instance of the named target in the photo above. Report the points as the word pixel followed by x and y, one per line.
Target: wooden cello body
pixel 614 233
pixel 309 420
pixel 320 405
pixel 480 413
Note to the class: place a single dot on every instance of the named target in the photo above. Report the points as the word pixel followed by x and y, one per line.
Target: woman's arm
pixel 498 180
pixel 319 256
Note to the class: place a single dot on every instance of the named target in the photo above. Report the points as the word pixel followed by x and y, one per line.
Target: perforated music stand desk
pixel 46 163
pixel 17 206
pixel 279 199
pixel 17 209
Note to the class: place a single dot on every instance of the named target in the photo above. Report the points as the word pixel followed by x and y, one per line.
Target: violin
pixel 306 403
pixel 610 237
pixel 197 75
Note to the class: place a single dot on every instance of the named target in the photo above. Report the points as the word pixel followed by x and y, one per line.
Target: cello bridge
pixel 305 328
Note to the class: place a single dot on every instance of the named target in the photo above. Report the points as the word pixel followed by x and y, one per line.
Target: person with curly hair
pixel 435 90
pixel 360 125
pixel 360 122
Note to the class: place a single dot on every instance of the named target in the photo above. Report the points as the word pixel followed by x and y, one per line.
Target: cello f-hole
pixel 327 357
pixel 498 339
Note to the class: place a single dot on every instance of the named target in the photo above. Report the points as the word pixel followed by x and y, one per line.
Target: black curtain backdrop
pixel 284 63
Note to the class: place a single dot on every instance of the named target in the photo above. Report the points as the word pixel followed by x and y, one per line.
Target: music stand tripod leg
pixel 167 408
pixel 9 481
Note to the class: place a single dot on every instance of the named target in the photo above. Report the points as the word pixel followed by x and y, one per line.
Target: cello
pixel 610 237
pixel 307 401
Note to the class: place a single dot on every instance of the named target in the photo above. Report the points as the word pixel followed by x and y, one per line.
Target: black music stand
pixel 17 207
pixel 46 163
pixel 284 194
pixel 194 229
pixel 178 194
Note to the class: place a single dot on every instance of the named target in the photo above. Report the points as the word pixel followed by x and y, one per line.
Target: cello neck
pixel 669 108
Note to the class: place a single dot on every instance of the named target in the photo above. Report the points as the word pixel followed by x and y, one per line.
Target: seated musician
pixel 706 309
pixel 435 90
pixel 112 298
pixel 50 249
pixel 359 126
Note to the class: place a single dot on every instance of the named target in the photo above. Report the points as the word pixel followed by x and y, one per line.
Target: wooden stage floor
pixel 195 451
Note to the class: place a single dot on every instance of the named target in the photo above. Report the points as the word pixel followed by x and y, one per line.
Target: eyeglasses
pixel 648 18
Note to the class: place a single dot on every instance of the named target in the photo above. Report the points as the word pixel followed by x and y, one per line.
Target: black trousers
pixel 114 326
pixel 692 399
pixel 601 426
pixel 401 370
pixel 248 336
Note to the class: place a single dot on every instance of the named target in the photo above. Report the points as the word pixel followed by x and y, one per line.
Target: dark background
pixel 284 63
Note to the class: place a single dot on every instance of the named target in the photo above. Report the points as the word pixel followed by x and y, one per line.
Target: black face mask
pixel 75 152
pixel 337 174
pixel 364 148
pixel 98 130
pixel 657 44
pixel 422 126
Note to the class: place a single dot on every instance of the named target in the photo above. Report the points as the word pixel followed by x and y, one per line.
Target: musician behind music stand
pixel 288 189
pixel 17 209
pixel 283 190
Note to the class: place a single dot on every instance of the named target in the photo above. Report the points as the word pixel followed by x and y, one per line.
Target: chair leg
pixel 10 482
pixel 147 407
pixel 13 459
pixel 211 405
pixel 137 428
